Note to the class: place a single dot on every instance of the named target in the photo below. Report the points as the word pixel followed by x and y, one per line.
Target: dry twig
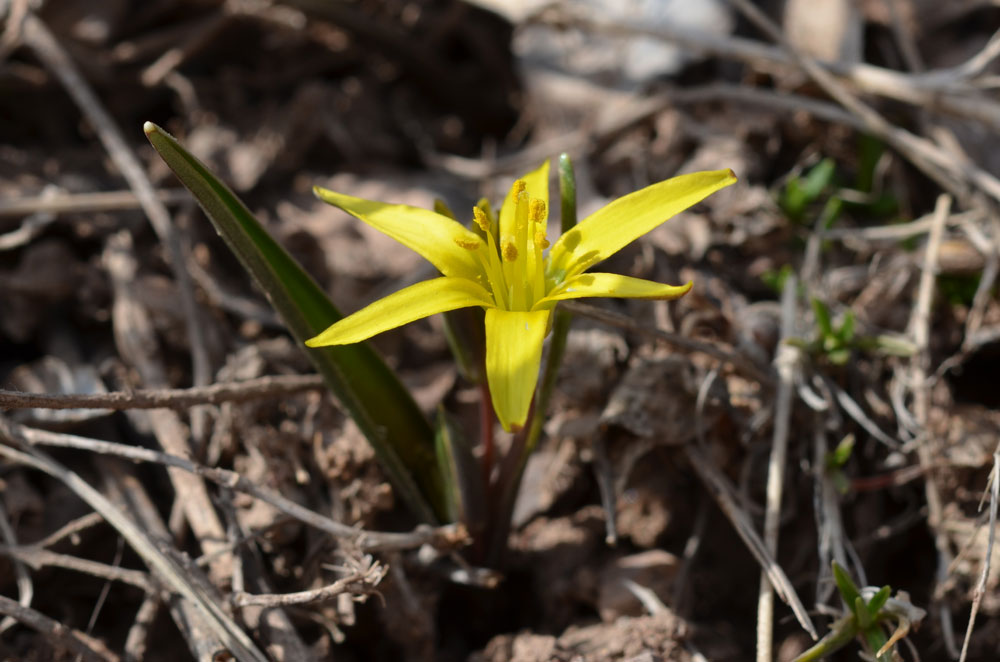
pixel 786 364
pixel 78 643
pixel 445 537
pixel 251 389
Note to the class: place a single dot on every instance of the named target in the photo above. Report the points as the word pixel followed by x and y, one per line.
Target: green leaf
pixel 846 332
pixel 848 589
pixel 822 314
pixel 861 613
pixel 371 393
pixel 841 454
pixel 876 639
pixel 878 601
pixel 818 179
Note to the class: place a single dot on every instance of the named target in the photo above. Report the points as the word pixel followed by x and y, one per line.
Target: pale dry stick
pixel 445 537
pixel 38 37
pixel 945 90
pixel 85 647
pixel 786 365
pixel 25 587
pixel 169 571
pixel 356 584
pixel 76 203
pixel 829 525
pixel 723 493
pixel 903 36
pixel 935 162
pixel 138 345
pixel 13 11
pixel 70 530
pixel 135 641
pixel 129 494
pixel 38 558
pixel 920 329
pixel 218 393
pixel 902 231
pixel 988 556
pixel 274 624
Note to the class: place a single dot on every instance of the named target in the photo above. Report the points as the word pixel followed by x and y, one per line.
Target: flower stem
pixel 487 417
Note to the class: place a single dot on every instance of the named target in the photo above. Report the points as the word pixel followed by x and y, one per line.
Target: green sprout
pixel 877 620
pixel 834 343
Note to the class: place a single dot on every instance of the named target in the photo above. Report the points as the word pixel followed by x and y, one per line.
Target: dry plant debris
pixel 174 484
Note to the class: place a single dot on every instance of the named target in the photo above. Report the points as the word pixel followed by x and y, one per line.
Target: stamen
pixel 479 216
pixel 540 241
pixel 467 243
pixel 537 210
pixel 518 188
pixel 509 251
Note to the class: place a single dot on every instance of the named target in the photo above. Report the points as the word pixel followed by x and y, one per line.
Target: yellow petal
pixel 513 354
pixel 407 305
pixel 612 285
pixel 621 222
pixel 430 234
pixel 537 186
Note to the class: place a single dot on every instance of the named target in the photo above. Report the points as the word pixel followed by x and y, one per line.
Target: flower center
pixel 513 266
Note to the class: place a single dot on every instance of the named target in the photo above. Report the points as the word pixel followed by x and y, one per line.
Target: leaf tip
pixel 149 128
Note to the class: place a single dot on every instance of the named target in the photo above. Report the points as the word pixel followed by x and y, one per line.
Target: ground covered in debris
pixel 865 139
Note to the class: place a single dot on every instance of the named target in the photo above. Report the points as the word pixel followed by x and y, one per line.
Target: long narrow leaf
pixel 372 394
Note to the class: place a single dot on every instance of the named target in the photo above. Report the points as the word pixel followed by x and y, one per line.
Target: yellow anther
pixel 536 210
pixel 540 240
pixel 509 251
pixel 479 216
pixel 518 188
pixel 468 243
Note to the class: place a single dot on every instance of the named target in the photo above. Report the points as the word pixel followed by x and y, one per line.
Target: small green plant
pixel 834 343
pixel 836 460
pixel 802 192
pixel 499 287
pixel 877 620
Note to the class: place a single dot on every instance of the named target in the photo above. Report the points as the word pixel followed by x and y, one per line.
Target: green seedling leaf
pixel 865 619
pixel 841 633
pixel 818 179
pixel 776 279
pixel 894 345
pixel 823 322
pixel 878 601
pixel 846 331
pixel 837 458
pixel 371 393
pixel 845 585
pixel 876 639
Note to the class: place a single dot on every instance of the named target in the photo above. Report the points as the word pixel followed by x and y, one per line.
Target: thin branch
pixel 65 203
pixel 920 328
pixel 78 643
pixel 720 489
pixel 786 365
pixel 25 587
pixel 987 556
pixel 445 537
pixel 359 583
pixel 251 389
pixel 38 557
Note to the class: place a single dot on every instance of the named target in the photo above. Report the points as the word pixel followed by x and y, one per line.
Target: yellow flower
pixel 503 268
